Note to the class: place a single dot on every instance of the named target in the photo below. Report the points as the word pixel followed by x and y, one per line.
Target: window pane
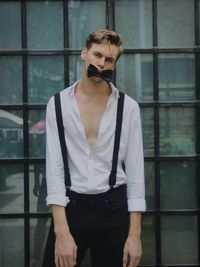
pixel 37 133
pixel 12 242
pixel 84 18
pixel 176 23
pixel 150 184
pixel 134 22
pixel 11 134
pixel 178 185
pixel 38 189
pixel 179 240
pixel 11 189
pixel 177 77
pixel 45 77
pixel 147 117
pixel 11 80
pixel 135 76
pixel 45 25
pixel 75 68
pixel 177 131
pixel 148 240
pixel 39 229
pixel 10 25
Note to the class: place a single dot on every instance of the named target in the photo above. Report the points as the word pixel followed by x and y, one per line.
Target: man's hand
pixel 133 247
pixel 65 251
pixel 132 252
pixel 65 247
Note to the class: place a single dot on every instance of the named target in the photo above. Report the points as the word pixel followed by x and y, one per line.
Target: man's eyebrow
pixel 98 52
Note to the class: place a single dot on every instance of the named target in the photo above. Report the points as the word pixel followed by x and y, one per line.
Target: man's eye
pixel 97 55
pixel 110 60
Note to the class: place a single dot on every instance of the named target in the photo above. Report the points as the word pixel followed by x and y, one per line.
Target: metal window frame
pixel 25 107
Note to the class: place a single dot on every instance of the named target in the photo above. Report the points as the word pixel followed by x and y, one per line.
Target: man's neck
pixel 93 89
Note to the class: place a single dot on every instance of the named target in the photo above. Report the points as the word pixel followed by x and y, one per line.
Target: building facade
pixel 40 44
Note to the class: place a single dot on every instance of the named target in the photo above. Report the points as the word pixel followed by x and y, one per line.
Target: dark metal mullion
pixel 110 23
pixel 107 14
pixel 66 42
pixel 197 117
pixel 25 136
pixel 197 120
pixel 154 23
pixel 156 136
pixel 196 30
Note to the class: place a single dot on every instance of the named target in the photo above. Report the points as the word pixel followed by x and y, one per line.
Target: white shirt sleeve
pixel 54 163
pixel 134 162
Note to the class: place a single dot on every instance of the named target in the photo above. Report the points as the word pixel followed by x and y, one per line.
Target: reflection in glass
pixel 178 185
pixel 135 76
pixel 148 241
pixel 11 189
pixel 39 229
pixel 10 25
pixel 147 118
pixel 45 25
pixel 75 68
pixel 11 80
pixel 179 240
pixel 176 23
pixel 37 133
pixel 38 188
pixel 137 14
pixel 45 77
pixel 177 131
pixel 11 134
pixel 176 77
pixel 149 185
pixel 84 18
pixel 11 242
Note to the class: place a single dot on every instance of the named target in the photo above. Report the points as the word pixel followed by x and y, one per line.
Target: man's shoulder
pixel 63 93
pixel 130 103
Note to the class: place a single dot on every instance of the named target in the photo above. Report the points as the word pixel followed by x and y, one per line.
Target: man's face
pixel 102 56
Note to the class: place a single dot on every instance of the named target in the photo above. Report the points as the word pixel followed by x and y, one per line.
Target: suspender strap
pixel 120 107
pixel 60 126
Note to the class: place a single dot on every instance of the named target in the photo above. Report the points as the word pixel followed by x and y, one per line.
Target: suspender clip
pixel 112 179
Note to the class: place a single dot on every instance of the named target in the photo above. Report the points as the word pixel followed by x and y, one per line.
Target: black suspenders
pixel 63 145
pixel 113 173
pixel 120 108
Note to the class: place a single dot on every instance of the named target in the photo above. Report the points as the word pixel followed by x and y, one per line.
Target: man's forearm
pixel 60 221
pixel 135 224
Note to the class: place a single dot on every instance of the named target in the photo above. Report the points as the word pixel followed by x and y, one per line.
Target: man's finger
pixel 75 255
pixel 125 259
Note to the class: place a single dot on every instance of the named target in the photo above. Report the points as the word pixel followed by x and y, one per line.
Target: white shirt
pixel 90 167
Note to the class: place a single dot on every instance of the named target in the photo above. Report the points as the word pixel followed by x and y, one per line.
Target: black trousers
pixel 98 222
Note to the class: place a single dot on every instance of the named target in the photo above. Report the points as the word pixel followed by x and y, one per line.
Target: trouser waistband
pixel 119 191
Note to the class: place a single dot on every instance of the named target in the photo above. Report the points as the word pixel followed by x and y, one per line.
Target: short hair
pixel 105 36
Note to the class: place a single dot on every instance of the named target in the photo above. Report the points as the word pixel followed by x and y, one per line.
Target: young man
pixel 100 210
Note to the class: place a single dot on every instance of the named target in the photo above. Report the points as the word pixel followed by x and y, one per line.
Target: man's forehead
pixel 106 49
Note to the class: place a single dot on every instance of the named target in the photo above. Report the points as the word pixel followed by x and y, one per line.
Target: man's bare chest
pixel 91 114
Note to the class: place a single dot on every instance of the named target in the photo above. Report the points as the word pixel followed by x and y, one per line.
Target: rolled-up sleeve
pixel 54 163
pixel 134 162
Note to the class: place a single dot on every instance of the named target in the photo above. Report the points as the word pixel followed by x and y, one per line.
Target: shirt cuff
pixel 56 200
pixel 136 205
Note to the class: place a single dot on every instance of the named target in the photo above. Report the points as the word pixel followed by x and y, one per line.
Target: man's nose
pixel 101 62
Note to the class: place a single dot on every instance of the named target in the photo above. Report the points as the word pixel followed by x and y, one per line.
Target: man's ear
pixel 84 53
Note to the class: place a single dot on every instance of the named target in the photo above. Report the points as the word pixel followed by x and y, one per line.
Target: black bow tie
pixel 106 75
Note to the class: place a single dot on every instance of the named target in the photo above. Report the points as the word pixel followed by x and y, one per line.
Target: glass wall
pixel 40 44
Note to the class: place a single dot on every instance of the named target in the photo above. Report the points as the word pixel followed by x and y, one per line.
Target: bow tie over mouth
pixel 106 75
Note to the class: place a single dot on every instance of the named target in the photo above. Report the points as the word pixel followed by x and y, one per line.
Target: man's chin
pixel 97 79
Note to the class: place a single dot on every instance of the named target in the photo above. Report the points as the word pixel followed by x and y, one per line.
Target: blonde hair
pixel 105 36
